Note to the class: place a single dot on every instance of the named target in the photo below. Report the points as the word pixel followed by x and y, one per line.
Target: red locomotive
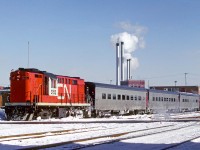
pixel 38 93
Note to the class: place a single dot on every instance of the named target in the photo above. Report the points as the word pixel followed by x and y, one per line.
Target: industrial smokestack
pixel 122 61
pixel 128 69
pixel 117 64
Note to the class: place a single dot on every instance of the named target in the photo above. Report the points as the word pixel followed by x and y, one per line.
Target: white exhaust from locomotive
pixel 128 69
pixel 122 61
pixel 117 64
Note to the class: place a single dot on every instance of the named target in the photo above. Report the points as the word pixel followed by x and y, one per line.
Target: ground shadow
pixel 115 146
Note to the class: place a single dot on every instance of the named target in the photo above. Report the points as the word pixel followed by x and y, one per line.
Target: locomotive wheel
pixel 45 114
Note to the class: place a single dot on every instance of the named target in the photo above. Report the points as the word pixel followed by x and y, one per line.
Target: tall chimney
pixel 117 64
pixel 128 69
pixel 122 62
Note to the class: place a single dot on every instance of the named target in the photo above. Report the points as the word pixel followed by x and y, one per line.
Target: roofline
pixel 116 86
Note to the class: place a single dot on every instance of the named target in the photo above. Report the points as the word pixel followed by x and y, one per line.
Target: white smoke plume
pixel 137 30
pixel 131 43
pixel 133 39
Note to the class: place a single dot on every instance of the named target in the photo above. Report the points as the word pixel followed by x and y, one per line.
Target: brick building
pixel 188 89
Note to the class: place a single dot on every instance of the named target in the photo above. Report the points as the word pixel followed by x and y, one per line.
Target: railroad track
pixel 48 133
pixel 53 133
pixel 128 120
pixel 137 136
pixel 113 137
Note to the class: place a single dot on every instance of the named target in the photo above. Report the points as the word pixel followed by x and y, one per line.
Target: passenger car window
pixel 109 96
pixel 114 96
pixel 127 97
pixel 119 97
pixel 103 96
pixel 131 97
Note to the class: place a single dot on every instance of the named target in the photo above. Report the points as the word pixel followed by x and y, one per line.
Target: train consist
pixel 130 100
pixel 36 93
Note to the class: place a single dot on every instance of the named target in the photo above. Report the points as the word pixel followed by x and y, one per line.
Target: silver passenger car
pixel 117 98
pixel 163 101
pixel 189 102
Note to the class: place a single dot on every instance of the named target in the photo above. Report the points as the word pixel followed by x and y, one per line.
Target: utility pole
pixel 28 54
pixel 175 85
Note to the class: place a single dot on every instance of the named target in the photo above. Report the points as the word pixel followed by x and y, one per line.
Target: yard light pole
pixel 175 85
pixel 186 79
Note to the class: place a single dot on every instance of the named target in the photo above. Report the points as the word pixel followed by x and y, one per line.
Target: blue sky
pixel 73 37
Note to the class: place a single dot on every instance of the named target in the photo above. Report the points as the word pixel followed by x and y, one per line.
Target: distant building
pixel 188 89
pixel 4 95
pixel 134 83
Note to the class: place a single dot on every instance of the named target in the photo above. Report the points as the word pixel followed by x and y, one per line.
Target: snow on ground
pixel 145 143
pixel 2 114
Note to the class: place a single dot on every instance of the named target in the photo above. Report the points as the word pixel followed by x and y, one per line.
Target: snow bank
pixel 2 114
